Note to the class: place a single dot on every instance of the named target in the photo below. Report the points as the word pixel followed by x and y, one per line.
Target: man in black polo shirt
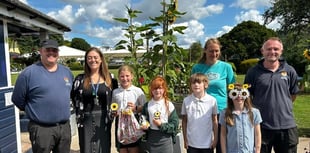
pixel 274 88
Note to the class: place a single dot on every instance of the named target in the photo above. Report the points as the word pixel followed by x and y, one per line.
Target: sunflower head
pixel 114 106
pixel 157 115
pixel 307 54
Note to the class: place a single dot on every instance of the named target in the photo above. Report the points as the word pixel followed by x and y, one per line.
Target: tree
pixel 28 44
pixel 195 51
pixel 245 40
pixel 80 43
pixel 293 15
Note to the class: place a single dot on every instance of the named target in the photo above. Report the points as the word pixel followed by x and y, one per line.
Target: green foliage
pixel 28 44
pixel 195 51
pixel 293 49
pixel 133 42
pixel 246 64
pixel 165 55
pixel 295 29
pixel 80 43
pixel 245 40
pixel 293 14
pixel 75 66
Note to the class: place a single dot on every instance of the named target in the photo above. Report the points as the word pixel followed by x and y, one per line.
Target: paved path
pixel 26 146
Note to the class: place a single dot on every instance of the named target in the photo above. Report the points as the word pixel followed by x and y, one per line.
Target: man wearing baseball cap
pixel 42 90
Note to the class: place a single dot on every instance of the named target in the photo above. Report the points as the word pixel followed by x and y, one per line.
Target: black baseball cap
pixel 49 44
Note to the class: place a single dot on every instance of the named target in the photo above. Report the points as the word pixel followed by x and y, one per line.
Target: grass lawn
pixel 301 105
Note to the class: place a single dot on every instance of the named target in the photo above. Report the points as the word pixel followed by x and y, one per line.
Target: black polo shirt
pixel 271 93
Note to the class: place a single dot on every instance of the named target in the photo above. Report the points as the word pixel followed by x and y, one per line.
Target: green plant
pixel 75 66
pixel 166 58
pixel 246 64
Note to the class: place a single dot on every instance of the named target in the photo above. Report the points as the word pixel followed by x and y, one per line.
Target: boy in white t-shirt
pixel 199 117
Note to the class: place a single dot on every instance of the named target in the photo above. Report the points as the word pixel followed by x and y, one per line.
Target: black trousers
pixel 282 141
pixel 46 138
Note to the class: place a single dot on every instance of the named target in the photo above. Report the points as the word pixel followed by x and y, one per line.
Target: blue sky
pixel 93 21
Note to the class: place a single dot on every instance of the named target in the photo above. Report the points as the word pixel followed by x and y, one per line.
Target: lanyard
pixel 95 89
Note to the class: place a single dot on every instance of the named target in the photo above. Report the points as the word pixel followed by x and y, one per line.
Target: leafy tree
pixel 244 41
pixel 67 43
pixel 293 15
pixel 28 44
pixel 80 43
pixel 294 45
pixel 195 51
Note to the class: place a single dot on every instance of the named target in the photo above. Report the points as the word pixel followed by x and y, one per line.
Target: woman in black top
pixel 91 95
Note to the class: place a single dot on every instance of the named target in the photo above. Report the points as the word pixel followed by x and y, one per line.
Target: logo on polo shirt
pixel 67 81
pixel 284 75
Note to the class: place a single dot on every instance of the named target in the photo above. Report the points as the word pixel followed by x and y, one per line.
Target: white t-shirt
pixel 133 94
pixel 199 119
pixel 159 106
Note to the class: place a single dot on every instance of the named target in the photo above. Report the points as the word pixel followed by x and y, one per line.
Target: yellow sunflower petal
pixel 231 86
pixel 114 106
pixel 245 86
pixel 306 54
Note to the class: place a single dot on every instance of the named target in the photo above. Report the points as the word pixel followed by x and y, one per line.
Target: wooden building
pixel 16 19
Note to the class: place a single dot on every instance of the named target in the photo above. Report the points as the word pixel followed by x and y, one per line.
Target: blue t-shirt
pixel 219 75
pixel 240 137
pixel 44 95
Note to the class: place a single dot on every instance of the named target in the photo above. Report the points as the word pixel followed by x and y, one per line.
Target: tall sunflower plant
pixel 307 54
pixel 306 76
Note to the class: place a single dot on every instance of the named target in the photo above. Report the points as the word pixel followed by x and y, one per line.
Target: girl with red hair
pixel 161 114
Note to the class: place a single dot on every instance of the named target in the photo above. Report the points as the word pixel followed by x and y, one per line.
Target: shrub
pixel 75 66
pixel 233 66
pixel 246 64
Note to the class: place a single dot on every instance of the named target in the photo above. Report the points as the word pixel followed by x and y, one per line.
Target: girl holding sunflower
pixel 128 97
pixel 161 114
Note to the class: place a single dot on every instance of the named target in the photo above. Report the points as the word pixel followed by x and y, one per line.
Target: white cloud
pixel 24 1
pixel 198 9
pixel 193 33
pixel 65 15
pixel 94 18
pixel 251 4
pixel 254 15
pixel 225 29
pixel 109 36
